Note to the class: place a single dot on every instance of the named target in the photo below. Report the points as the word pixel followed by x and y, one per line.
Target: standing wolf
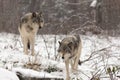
pixel 70 50
pixel 28 28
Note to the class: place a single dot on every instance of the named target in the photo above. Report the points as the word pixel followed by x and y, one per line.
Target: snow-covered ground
pixel 7 75
pixel 105 54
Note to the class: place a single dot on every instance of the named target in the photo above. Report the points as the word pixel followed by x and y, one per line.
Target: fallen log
pixel 22 77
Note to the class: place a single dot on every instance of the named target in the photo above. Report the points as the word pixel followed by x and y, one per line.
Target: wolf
pixel 70 50
pixel 30 23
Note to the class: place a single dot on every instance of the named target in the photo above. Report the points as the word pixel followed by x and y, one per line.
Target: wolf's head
pixel 37 18
pixel 68 47
pixel 33 18
pixel 65 49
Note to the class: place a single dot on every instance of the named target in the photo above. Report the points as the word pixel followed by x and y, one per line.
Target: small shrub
pixel 33 66
pixel 51 69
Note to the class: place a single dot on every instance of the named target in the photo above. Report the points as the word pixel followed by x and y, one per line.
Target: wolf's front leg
pixel 32 42
pixel 76 61
pixel 72 65
pixel 67 69
pixel 25 46
pixel 78 57
pixel 23 42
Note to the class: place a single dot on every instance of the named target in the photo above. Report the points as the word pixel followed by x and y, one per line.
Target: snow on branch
pixel 68 3
pixel 93 4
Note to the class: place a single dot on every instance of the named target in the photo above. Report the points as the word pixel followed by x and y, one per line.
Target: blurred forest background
pixel 64 16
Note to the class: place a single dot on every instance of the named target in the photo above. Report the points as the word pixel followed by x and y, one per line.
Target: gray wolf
pixel 70 50
pixel 30 23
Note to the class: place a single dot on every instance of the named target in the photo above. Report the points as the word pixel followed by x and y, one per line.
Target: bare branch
pixel 93 53
pixel 77 3
pixel 46 46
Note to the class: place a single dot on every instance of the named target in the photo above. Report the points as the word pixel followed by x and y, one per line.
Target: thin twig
pixel 95 75
pixel 93 53
pixel 55 47
pixel 46 46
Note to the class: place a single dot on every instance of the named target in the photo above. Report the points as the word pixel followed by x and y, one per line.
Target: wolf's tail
pixel 28 44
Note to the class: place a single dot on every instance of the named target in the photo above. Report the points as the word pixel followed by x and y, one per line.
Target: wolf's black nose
pixel 62 57
pixel 39 27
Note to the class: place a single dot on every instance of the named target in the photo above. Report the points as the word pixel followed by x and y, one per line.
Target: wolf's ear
pixel 59 42
pixel 34 14
pixel 40 13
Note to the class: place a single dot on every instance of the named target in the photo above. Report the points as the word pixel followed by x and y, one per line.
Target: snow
pixel 7 75
pixel 93 4
pixel 32 73
pixel 13 58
